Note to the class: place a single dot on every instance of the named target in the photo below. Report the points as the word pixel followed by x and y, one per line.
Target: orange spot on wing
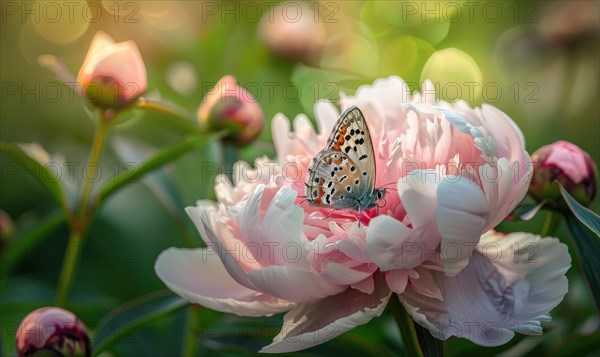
pixel 321 191
pixel 340 140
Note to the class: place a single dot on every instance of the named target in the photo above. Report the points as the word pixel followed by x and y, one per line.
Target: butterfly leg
pixel 359 215
pixel 329 215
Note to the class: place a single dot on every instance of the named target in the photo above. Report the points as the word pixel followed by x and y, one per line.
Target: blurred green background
pixel 537 61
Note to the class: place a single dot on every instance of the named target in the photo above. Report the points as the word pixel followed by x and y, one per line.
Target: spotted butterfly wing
pixel 343 174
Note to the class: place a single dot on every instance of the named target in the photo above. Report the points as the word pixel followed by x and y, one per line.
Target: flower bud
pixel 570 166
pixel 230 107
pixel 52 331
pixel 297 34
pixel 113 75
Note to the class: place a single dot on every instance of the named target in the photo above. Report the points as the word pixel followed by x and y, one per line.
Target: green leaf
pixel 43 175
pixel 583 214
pixel 160 158
pixel 578 345
pixel 525 211
pixel 126 318
pixel 587 247
pixel 159 182
pixel 24 242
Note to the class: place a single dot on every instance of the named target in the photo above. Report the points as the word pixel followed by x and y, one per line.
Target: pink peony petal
pixel 293 284
pixel 504 289
pixel 390 243
pixel 311 324
pixel 461 216
pixel 198 275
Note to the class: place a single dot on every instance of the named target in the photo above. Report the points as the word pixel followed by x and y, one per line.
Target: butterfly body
pixel 342 176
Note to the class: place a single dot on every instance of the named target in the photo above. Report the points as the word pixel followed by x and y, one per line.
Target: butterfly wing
pixel 333 180
pixel 351 136
pixel 343 173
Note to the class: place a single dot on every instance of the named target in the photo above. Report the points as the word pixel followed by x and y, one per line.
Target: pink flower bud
pixel 113 75
pixel 50 331
pixel 568 164
pixel 230 107
pixel 294 31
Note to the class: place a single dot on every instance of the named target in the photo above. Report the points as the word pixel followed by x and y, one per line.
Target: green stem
pixel 407 328
pixel 185 120
pixel 550 224
pixel 188 348
pixel 230 157
pixel 81 220
pixel 70 259
pixel 97 145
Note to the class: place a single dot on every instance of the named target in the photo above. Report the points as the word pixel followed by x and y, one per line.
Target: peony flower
pixel 52 331
pixel 113 75
pixel 458 172
pixel 229 106
pixel 568 164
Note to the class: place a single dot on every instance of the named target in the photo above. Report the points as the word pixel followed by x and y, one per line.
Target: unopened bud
pixel 570 166
pixel 230 107
pixel 52 331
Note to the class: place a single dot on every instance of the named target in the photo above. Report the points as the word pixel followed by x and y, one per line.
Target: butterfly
pixel 342 175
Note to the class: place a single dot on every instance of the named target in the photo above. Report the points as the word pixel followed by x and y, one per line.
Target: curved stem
pixel 186 121
pixel 189 334
pixel 407 328
pixel 550 224
pixel 81 221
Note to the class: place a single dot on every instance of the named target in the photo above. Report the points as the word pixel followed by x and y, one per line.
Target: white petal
pixel 498 292
pixel 509 139
pixel 311 324
pixel 280 129
pixel 388 244
pixel 343 275
pixel 386 96
pixel 278 239
pixel 199 276
pixel 327 115
pixel 392 245
pixel 462 216
pixel 540 261
pixel 425 284
pixel 293 284
pixel 200 215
